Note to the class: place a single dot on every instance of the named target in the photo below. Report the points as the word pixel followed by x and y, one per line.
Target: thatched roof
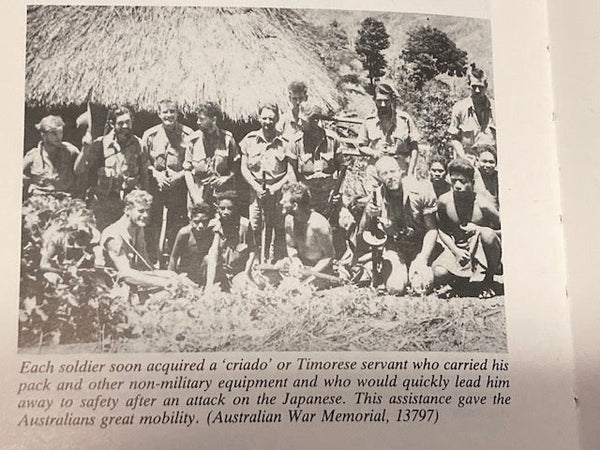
pixel 238 57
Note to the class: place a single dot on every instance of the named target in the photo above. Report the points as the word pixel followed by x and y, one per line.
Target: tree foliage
pixel 372 40
pixel 430 52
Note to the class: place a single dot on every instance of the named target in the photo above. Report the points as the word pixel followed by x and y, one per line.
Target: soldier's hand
pixel 336 199
pixel 262 193
pixel 217 182
pixel 295 268
pixel 463 256
pixel 470 228
pixel 372 211
pixel 162 179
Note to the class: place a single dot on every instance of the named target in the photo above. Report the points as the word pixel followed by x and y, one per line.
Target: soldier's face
pixel 225 208
pixel 200 221
pixel 205 123
pixel 52 137
pixel 390 174
pixel 437 172
pixel 267 119
pixel 139 215
pixel 288 206
pixel 123 127
pixel 487 162
pixel 297 98
pixel 478 89
pixel 460 183
pixel 384 105
pixel 168 115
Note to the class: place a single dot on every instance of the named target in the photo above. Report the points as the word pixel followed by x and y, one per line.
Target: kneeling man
pixel 469 228
pixel 307 233
pixel 406 210
pixel 124 243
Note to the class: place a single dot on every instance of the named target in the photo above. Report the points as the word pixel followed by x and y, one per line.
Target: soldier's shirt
pixel 167 150
pixel 397 217
pixel 219 153
pixel 115 168
pixel 290 127
pixel 266 157
pixel 51 174
pixel 324 158
pixel 465 124
pixel 400 140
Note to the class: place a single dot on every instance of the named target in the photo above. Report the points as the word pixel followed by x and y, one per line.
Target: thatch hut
pixel 238 57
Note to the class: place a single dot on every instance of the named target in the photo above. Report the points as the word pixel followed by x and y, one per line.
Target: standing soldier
pixel 266 167
pixel 292 122
pixel 112 166
pixel 472 120
pixel 48 168
pixel 317 159
pixel 390 132
pixel 212 159
pixel 165 145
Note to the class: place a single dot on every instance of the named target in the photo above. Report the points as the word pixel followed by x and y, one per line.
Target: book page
pixel 575 63
pixel 414 346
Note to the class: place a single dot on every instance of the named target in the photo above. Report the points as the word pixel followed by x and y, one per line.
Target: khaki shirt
pixel 289 127
pixel 116 169
pixel 218 152
pixel 324 159
pixel 47 174
pixel 396 218
pixel 400 140
pixel 264 157
pixel 167 151
pixel 465 125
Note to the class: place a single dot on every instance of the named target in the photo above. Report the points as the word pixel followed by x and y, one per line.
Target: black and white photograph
pixel 209 179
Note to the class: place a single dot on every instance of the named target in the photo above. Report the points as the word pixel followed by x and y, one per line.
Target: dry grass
pixel 237 57
pixel 341 319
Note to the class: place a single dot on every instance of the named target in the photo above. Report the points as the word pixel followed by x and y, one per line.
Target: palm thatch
pixel 237 57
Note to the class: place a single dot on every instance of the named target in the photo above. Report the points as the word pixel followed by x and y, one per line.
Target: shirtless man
pixel 125 244
pixel 469 227
pixel 308 233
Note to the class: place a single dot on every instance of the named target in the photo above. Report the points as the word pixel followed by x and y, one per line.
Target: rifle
pixel 263 236
pixel 332 210
pixel 376 237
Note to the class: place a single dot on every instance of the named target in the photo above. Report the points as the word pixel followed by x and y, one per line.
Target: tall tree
pixel 430 52
pixel 372 40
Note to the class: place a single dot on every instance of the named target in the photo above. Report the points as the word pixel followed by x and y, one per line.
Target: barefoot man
pixel 307 233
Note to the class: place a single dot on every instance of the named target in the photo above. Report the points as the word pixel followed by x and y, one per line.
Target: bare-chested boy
pixel 469 227
pixel 308 233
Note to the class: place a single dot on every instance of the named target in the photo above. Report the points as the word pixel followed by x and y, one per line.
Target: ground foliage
pixel 340 319
pixel 77 306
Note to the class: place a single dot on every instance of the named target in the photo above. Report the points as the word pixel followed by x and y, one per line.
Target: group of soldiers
pixel 171 202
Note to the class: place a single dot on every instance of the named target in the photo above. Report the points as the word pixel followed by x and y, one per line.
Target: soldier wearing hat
pixel 388 132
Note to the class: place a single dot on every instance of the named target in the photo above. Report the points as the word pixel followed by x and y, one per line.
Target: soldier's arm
pixel 430 237
pixel 455 133
pixel 127 273
pixel 248 175
pixel 88 158
pixel 176 252
pixel 325 240
pixel 212 257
